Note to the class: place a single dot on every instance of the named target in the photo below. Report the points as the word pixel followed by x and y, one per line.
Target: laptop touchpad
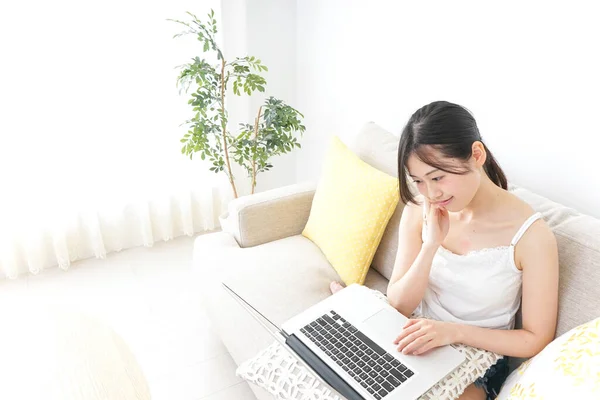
pixel 386 323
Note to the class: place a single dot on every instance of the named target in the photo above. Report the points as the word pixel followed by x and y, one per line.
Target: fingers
pixel 411 321
pixel 405 332
pixel 411 338
pixel 416 344
pixel 426 347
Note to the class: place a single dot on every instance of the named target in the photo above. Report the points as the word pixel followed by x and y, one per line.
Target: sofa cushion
pixel 280 279
pixel 379 148
pixel 568 368
pixel 351 208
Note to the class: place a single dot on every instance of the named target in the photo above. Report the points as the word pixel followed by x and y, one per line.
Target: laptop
pixel 347 340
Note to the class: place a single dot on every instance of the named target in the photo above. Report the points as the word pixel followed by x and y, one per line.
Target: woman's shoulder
pixel 517 208
pixel 413 212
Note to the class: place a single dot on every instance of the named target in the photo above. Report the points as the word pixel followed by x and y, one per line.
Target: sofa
pixel 262 255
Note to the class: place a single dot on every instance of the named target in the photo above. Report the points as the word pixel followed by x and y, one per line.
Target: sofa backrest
pixel 578 235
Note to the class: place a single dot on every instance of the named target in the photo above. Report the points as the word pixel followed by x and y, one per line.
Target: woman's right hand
pixel 438 223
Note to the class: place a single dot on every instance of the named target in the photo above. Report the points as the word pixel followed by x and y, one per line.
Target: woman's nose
pixel 434 193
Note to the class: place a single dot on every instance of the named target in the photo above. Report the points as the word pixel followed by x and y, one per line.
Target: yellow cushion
pixel 351 208
pixel 568 368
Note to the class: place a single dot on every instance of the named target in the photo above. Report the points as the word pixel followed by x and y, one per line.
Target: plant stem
pixel 224 126
pixel 254 158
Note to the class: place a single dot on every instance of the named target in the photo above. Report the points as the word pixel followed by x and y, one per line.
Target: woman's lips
pixel 444 203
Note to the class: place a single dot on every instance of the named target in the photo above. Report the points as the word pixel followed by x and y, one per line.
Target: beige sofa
pixel 263 256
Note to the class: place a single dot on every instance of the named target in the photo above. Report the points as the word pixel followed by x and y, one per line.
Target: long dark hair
pixel 450 129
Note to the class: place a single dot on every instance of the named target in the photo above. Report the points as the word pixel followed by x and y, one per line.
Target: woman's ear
pixel 478 153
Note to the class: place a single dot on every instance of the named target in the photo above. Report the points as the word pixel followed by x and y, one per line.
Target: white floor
pixel 145 294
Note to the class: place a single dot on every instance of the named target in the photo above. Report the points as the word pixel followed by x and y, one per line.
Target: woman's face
pixel 451 191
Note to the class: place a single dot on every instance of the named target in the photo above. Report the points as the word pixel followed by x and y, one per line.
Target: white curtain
pixel 90 157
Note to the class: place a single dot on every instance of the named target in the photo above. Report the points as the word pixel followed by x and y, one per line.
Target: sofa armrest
pixel 271 215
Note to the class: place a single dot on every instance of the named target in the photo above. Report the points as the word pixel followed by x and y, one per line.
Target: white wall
pixel 529 71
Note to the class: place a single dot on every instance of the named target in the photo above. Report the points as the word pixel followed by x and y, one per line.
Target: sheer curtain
pixel 90 157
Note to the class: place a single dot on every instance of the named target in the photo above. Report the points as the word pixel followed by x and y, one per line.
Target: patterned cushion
pixel 350 211
pixel 568 368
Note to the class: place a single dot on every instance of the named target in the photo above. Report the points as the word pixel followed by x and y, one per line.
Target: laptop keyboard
pixel 365 361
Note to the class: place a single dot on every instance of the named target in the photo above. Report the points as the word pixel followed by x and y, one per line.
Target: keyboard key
pixel 352 374
pixel 370 390
pixel 355 359
pixel 352 329
pixel 387 366
pixel 370 381
pixel 377 368
pixel 352 366
pixel 398 375
pixel 321 321
pixel 376 387
pixel 360 354
pixel 382 392
pixel 367 369
pixel 395 362
pixel 408 373
pixel 388 357
pixel 377 396
pixel 401 367
pixel 372 363
pixel 393 381
pixel 379 379
pixel 361 364
pixel 369 351
pixel 364 375
pixel 387 386
pixel 328 319
pixel 384 373
pixel 373 374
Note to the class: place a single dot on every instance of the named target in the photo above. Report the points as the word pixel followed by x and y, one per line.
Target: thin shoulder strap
pixel 524 227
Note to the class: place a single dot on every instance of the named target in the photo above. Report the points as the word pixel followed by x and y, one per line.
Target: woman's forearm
pixel 513 343
pixel 407 292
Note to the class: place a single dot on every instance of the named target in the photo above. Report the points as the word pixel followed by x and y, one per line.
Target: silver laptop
pixel 347 340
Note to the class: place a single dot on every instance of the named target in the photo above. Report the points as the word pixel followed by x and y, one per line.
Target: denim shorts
pixel 493 379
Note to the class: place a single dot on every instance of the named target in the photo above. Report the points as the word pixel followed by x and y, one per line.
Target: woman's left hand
pixel 420 335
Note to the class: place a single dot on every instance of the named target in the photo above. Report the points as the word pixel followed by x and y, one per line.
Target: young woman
pixel 469 252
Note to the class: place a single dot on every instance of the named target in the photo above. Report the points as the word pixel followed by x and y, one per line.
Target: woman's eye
pixel 416 182
pixel 437 179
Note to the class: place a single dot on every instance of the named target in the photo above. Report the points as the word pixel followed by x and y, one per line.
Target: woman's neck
pixel 483 203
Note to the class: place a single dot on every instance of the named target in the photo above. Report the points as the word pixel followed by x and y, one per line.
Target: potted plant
pixel 272 131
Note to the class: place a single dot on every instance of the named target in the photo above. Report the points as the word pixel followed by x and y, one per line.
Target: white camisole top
pixel 481 288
